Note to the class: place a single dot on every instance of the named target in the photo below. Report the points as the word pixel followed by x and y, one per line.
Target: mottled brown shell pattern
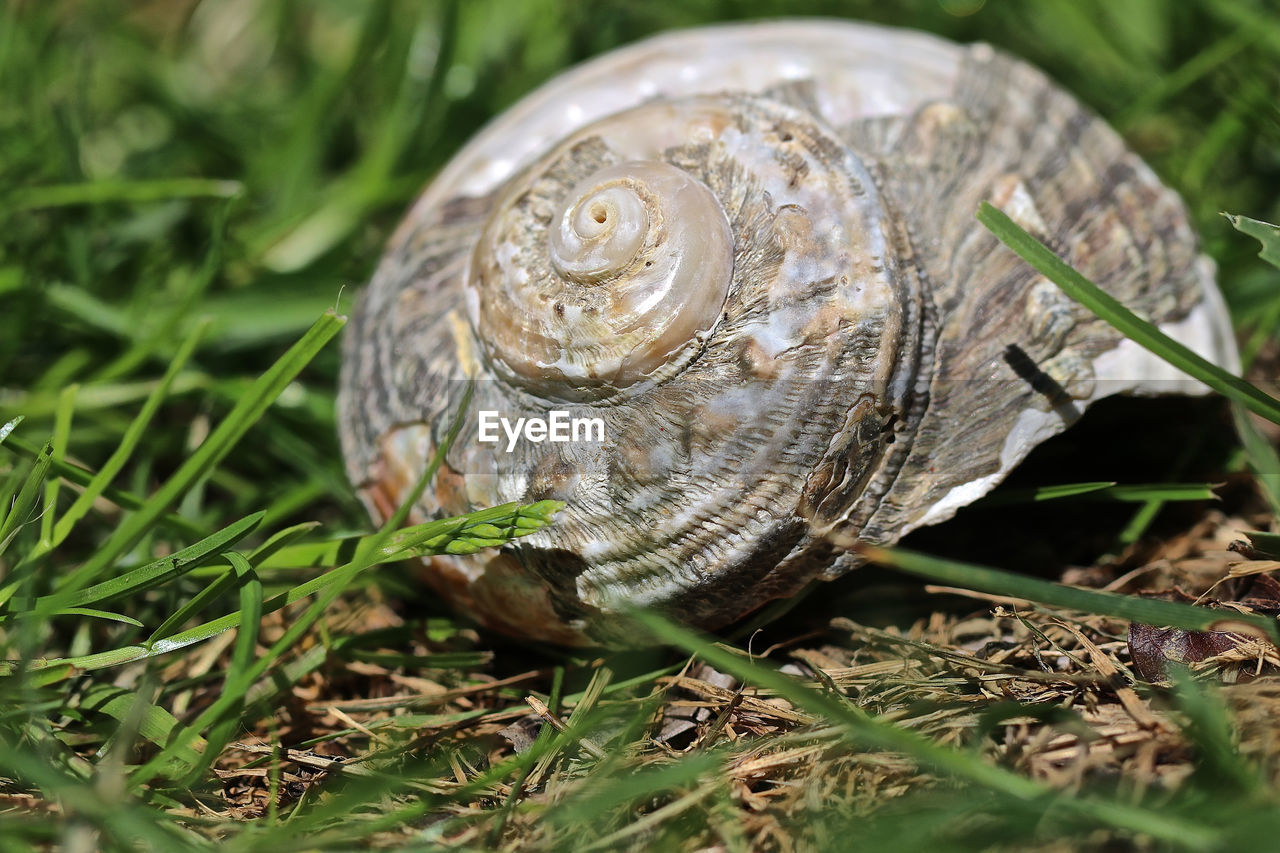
pixel 751 252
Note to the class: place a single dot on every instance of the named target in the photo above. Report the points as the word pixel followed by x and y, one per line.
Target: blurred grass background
pixel 169 161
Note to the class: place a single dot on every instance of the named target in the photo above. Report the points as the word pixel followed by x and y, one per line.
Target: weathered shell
pixel 875 360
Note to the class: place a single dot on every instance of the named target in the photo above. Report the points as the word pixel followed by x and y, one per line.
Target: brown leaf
pixel 1263 595
pixel 1152 648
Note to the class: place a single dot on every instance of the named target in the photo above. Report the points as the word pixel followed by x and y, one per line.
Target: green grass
pixel 196 619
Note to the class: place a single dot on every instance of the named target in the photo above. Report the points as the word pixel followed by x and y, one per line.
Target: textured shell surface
pixel 749 254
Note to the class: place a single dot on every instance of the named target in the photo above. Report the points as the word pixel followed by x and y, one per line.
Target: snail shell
pixel 750 252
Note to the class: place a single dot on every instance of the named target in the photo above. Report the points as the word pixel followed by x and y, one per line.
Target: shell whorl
pixel 632 269
pixel 820 343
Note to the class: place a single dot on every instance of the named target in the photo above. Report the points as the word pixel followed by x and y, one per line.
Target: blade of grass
pixel 1209 726
pixel 90 309
pixel 1148 611
pixel 1268 543
pixel 1105 491
pixel 251 407
pixel 238 679
pixel 1141 493
pixel 101 614
pixel 1122 319
pixel 8 427
pixel 106 192
pixel 464 534
pixel 128 442
pixel 151 575
pixel 110 395
pixel 279 540
pixel 1261 455
pixel 224 579
pixel 577 719
pixel 120 497
pixel 1264 232
pixel 20 510
pixel 1146 515
pixel 61 432
pixel 156 725
pixel 198 602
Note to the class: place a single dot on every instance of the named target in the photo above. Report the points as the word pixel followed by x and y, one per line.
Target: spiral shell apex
pixel 640 258
pixel 749 254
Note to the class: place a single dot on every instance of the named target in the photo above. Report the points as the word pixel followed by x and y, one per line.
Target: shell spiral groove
pixel 749 252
